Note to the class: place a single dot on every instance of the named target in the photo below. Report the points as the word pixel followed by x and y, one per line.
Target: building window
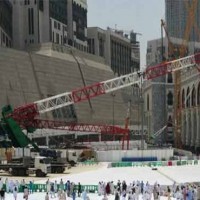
pixel 101 47
pixel 41 5
pixel 53 37
pixel 7 41
pixel 55 24
pixel 170 99
pixel 188 98
pixel 169 78
pixel 65 40
pixel 31 21
pixel 58 26
pixel 198 94
pixel 147 102
pixel 169 123
pixel 183 98
pixel 57 38
pixel 4 38
pixel 193 97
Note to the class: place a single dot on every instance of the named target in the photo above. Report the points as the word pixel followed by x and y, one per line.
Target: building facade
pixel 40 21
pixel 190 95
pixel 5 23
pixel 159 97
pixel 77 24
pixel 121 51
pixel 177 15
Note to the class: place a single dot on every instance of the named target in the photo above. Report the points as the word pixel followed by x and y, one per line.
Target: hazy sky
pixel 142 16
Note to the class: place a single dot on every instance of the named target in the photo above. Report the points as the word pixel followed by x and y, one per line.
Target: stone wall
pixel 28 77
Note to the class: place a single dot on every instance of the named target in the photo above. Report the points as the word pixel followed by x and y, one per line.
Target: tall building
pixel 190 95
pixel 5 23
pixel 40 21
pixel 176 14
pixel 121 51
pixel 77 24
pixel 159 97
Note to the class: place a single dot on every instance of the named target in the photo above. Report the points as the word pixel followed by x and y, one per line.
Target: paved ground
pixel 93 174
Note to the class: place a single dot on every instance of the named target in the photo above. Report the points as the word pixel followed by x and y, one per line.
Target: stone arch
pixel 147 102
pixel 198 94
pixel 183 98
pixel 169 78
pixel 193 96
pixel 188 98
pixel 170 98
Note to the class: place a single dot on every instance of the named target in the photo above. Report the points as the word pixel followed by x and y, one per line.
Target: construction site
pixel 67 104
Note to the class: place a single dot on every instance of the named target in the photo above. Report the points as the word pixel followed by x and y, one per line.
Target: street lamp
pixel 113 110
pixel 113 107
pixel 141 100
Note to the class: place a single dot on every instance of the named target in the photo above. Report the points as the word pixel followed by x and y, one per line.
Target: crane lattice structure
pixel 27 116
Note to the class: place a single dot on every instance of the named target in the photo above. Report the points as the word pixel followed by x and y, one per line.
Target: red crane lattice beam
pixel 27 114
pixel 172 66
pixel 71 127
pixel 31 111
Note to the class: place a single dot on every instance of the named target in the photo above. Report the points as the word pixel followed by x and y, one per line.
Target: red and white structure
pixel 26 115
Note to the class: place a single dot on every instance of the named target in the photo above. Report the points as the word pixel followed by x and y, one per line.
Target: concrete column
pixel 187 127
pixel 183 131
pixel 197 141
pixel 192 128
pixel 47 140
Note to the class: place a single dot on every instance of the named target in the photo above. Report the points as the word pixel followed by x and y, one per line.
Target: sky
pixel 141 16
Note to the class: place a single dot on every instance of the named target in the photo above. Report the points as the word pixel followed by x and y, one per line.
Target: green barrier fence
pixel 43 188
pixel 184 162
pixel 155 163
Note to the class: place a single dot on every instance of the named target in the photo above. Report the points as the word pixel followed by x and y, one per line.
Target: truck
pixel 58 164
pixel 11 134
pixel 74 156
pixel 24 166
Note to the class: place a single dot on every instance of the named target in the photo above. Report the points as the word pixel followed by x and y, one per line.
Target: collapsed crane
pixel 26 116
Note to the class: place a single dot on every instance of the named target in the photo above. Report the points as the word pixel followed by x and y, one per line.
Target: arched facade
pixel 190 95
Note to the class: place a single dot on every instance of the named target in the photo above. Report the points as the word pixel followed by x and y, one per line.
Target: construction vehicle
pixel 58 165
pixel 25 117
pixel 17 138
pixel 73 156
pixel 24 166
pixel 80 155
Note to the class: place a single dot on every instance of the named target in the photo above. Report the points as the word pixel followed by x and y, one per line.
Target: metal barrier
pixel 155 163
pixel 43 188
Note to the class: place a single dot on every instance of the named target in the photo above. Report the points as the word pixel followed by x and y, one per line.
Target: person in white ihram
pixel 15 193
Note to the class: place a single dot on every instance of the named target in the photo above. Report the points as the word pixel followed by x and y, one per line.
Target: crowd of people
pixel 120 190
pixel 10 186
pixel 64 190
pixel 132 191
